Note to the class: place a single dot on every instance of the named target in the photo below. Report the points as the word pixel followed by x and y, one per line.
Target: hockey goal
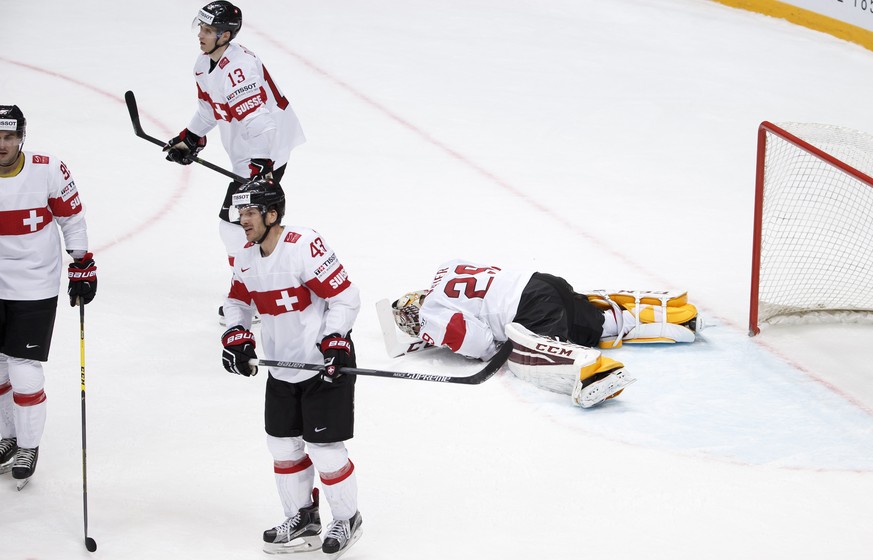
pixel 813 234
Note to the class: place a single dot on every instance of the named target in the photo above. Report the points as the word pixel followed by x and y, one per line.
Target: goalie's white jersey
pixel 33 204
pixel 302 293
pixel 469 305
pixel 254 118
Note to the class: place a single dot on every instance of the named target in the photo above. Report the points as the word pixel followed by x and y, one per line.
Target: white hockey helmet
pixel 406 310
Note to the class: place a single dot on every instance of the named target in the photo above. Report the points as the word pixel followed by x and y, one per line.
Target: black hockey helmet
pixel 11 118
pixel 221 15
pixel 264 194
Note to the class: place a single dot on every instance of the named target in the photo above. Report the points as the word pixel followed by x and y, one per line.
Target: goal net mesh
pixel 816 231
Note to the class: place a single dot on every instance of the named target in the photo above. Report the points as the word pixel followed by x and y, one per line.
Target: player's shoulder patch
pixel 249 244
pixel 292 237
pixel 223 62
pixel 40 160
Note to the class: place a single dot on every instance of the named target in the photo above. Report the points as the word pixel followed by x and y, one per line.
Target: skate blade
pixel 21 484
pixel 601 390
pixel 297 546
pixel 345 549
pixel 6 468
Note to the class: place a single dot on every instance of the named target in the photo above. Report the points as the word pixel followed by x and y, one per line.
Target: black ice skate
pixel 341 535
pixel 296 534
pixel 8 447
pixel 24 465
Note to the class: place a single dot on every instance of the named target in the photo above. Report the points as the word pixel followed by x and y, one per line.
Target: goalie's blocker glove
pixel 183 148
pixel 82 274
pixel 338 353
pixel 239 348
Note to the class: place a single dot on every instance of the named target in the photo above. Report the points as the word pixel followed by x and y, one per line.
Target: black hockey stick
pixel 137 129
pixel 480 376
pixel 90 543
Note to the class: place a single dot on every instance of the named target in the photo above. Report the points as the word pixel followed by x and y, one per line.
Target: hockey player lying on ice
pixel 472 309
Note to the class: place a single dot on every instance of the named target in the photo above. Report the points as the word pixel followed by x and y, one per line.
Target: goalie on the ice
pixel 472 309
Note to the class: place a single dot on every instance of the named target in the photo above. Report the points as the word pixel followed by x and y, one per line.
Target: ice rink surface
pixel 611 143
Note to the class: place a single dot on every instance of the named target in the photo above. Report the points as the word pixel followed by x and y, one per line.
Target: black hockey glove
pixel 82 274
pixel 239 348
pixel 338 353
pixel 260 168
pixel 191 144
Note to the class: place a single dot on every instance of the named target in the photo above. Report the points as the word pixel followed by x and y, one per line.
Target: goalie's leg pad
pixel 563 367
pixel 545 362
pixel 648 316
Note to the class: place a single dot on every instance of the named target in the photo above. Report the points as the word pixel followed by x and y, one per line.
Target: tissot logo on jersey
pixel 325 266
pixel 246 88
pixel 69 191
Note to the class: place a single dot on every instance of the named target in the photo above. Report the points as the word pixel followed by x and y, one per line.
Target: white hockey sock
pixel 294 482
pixel 29 400
pixel 7 422
pixel 341 491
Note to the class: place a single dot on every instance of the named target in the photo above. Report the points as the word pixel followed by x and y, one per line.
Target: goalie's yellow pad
pixel 657 317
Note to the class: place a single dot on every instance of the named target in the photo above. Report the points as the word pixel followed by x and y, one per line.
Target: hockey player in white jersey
pixel 37 197
pixel 473 308
pixel 308 305
pixel 235 91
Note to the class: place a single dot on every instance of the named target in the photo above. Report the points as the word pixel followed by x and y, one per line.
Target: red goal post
pixel 812 246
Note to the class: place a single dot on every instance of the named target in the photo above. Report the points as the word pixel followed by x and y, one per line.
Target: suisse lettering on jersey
pixel 339 279
pixel 40 160
pixel 249 105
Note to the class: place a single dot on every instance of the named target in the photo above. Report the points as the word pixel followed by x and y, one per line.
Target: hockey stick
pixel 480 376
pixel 137 129
pixel 90 543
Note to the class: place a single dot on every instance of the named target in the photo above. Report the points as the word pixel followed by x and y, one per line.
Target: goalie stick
pixel 130 99
pixel 480 376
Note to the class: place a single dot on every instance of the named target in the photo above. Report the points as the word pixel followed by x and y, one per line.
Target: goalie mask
pixel 406 310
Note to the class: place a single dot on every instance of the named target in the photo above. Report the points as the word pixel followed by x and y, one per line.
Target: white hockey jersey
pixel 33 203
pixel 254 118
pixel 302 293
pixel 469 305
